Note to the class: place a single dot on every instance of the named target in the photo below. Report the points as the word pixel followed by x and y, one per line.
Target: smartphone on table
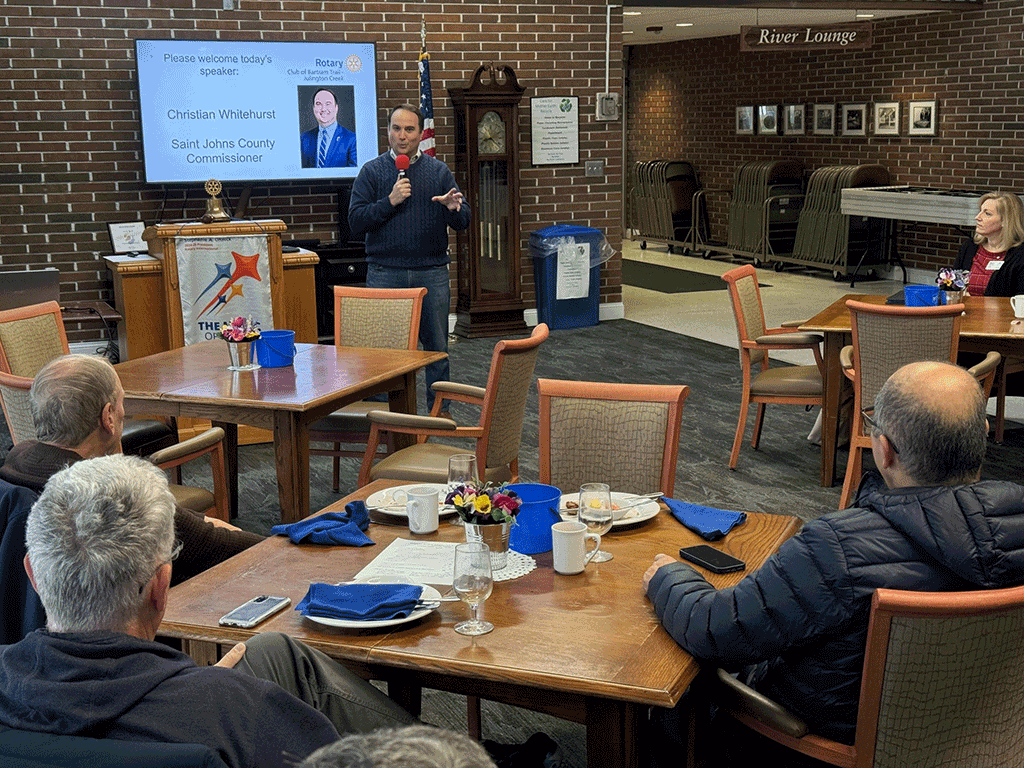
pixel 715 560
pixel 251 613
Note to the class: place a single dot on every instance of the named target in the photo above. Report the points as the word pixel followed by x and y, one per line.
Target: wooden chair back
pixel 30 337
pixel 380 318
pixel 626 435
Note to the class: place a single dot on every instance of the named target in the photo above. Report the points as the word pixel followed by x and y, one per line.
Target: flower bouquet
pixel 953 284
pixel 239 333
pixel 488 513
pixel 240 329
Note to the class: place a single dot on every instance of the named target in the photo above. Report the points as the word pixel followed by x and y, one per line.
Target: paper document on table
pixel 413 562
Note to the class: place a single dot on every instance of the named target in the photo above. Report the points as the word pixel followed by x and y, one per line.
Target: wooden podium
pixel 146 288
pixel 147 296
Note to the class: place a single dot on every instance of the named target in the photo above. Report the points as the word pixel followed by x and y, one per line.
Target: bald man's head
pixel 934 413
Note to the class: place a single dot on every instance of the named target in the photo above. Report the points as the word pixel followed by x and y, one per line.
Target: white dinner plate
pixel 384 501
pixel 429 593
pixel 637 514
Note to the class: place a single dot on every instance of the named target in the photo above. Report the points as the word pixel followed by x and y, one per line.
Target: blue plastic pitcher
pixel 532 532
pixel 275 349
pixel 921 295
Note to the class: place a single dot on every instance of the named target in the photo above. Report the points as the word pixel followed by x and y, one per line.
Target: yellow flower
pixel 482 503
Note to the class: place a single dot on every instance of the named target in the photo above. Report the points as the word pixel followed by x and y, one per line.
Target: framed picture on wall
pixel 793 119
pixel 768 120
pixel 745 121
pixel 825 119
pixel 887 118
pixel 924 118
pixel 853 120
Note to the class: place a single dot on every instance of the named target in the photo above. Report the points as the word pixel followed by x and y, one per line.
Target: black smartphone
pixel 715 560
pixel 251 613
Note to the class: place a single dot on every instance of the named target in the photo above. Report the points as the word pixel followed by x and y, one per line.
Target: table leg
pixel 291 454
pixel 231 462
pixel 613 733
pixel 830 407
pixel 404 401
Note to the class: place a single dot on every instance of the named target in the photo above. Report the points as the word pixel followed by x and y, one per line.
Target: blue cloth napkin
pixel 710 523
pixel 360 602
pixel 345 528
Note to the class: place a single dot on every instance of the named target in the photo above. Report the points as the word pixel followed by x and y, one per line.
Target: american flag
pixel 426 106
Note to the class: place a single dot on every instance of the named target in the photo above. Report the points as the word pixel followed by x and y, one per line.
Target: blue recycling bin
pixel 565 313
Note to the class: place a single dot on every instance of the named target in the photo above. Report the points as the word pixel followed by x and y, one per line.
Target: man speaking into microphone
pixel 403 202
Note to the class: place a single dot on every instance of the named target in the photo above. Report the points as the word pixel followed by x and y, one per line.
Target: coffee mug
pixel 421 506
pixel 569 547
pixel 1017 302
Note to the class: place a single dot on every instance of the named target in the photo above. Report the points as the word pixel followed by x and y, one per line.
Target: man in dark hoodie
pixel 100 544
pixel 922 522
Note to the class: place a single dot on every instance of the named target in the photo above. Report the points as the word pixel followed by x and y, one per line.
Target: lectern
pixel 147 290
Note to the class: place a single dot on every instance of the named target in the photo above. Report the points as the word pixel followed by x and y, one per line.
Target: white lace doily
pixel 517 565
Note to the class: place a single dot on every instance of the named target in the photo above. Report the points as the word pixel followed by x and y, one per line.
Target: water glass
pixel 595 512
pixel 473 583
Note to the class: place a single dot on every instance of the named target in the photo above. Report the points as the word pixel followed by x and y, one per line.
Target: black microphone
pixel 402 164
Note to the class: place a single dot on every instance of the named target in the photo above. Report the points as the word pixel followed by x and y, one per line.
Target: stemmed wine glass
pixel 473 584
pixel 596 513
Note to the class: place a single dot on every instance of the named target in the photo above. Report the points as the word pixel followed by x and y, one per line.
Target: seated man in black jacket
pixel 101 543
pixel 923 522
pixel 77 408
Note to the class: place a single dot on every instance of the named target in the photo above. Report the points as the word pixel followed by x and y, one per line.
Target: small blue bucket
pixel 921 295
pixel 531 534
pixel 275 349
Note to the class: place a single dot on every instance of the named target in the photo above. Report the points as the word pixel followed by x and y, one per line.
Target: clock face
pixel 490 134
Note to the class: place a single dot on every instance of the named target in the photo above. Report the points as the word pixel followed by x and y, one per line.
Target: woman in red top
pixel 995 255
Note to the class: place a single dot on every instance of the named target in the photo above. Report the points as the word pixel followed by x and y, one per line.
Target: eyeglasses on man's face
pixel 866 415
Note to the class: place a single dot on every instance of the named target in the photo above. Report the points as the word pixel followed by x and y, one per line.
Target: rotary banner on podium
pixel 221 278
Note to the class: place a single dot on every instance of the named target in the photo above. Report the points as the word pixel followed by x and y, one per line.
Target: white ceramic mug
pixel 1017 302
pixel 421 506
pixel 569 547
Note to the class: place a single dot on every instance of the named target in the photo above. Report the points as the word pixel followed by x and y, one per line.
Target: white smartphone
pixel 254 611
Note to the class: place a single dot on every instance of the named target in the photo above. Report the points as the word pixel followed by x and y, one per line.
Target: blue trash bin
pixel 566 313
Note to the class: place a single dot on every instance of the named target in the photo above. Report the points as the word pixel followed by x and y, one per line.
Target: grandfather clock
pixel 489 301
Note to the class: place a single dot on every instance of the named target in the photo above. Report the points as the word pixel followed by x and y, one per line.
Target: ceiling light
pixel 865 15
pixel 685 24
pixel 631 13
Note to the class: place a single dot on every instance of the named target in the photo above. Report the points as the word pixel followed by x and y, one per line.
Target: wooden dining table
pixel 587 648
pixel 194 381
pixel 987 326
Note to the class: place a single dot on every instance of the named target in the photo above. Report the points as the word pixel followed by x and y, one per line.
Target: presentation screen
pixel 252 111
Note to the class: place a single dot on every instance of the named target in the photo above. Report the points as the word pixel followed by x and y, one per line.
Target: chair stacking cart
pixel 764 206
pixel 826 237
pixel 662 203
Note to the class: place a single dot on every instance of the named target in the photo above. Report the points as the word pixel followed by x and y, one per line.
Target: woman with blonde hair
pixel 995 255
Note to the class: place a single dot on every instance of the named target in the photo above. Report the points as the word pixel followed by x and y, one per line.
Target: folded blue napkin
pixel 345 528
pixel 360 602
pixel 710 523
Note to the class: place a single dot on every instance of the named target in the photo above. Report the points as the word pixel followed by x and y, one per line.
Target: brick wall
pixel 69 128
pixel 682 99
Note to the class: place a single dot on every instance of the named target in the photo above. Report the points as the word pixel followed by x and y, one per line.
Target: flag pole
pixel 426 97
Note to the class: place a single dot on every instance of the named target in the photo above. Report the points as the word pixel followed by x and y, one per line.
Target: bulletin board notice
pixel 555 129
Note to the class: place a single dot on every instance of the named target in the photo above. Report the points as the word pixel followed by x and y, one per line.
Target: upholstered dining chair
pixel 380 318
pixel 32 336
pixel 14 400
pixel 626 435
pixel 885 338
pixel 792 384
pixel 940 686
pixel 497 434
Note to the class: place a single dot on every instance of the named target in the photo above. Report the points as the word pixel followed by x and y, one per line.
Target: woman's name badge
pixel 994 264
